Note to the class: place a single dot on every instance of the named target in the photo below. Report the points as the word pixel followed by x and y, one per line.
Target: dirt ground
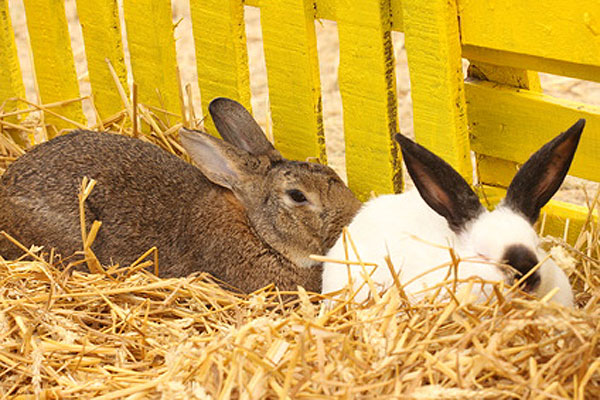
pixel 328 50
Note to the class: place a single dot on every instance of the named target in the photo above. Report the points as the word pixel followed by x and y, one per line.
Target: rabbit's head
pixel 298 208
pixel 504 235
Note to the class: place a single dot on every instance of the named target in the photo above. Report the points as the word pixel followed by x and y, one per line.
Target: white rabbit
pixel 417 228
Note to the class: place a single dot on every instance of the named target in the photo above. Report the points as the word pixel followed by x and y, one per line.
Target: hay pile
pixel 123 333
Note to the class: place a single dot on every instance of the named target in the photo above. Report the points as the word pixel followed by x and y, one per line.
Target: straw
pixel 122 332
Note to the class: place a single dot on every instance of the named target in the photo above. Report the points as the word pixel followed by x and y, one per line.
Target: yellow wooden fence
pixel 499 113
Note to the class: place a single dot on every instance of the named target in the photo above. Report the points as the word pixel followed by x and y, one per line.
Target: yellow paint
pixel 102 39
pixel 563 68
pixel 11 81
pixel 434 59
pixel 397 15
pixel 323 8
pixel 367 86
pixel 511 124
pixel 516 77
pixel 53 58
pixel 326 9
pixel 152 48
pixel 495 171
pixel 561 30
pixel 492 170
pixel 290 47
pixel 557 214
pixel 221 55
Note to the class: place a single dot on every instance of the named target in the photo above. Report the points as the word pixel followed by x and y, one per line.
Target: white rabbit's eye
pixel 297 196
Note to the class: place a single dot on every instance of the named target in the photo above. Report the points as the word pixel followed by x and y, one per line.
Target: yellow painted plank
pixel 557 215
pixel 290 46
pixel 516 77
pixel 11 80
pixel 495 171
pixel 152 48
pixel 397 15
pixel 512 123
pixel 562 30
pixel 563 68
pixel 434 60
pixel 221 52
pixel 102 38
pixel 324 9
pixel 367 86
pixel 53 58
pixel 491 170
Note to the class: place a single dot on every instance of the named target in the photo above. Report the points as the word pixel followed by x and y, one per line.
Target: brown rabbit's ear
pixel 236 126
pixel 223 164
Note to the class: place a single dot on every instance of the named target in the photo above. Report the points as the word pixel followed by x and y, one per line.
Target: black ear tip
pixel 409 147
pixel 578 126
pixel 574 132
pixel 406 144
pixel 400 138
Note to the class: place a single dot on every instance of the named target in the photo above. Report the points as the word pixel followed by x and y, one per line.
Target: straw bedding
pixel 121 332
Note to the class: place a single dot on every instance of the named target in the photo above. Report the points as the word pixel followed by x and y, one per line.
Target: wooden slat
pixel 495 171
pixel 492 170
pixel 560 30
pixel 53 58
pixel 516 77
pixel 563 68
pixel 434 59
pixel 102 38
pixel 324 9
pixel 512 123
pixel 397 15
pixel 152 48
pixel 11 80
pixel 221 52
pixel 557 214
pixel 290 47
pixel 368 92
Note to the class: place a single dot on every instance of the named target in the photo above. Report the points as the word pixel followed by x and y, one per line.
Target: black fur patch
pixel 442 188
pixel 523 260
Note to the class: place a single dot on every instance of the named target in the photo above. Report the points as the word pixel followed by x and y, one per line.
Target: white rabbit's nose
pixel 523 260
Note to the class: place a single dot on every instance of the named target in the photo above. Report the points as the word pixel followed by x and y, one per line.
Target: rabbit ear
pixel 541 176
pixel 236 126
pixel 442 188
pixel 222 163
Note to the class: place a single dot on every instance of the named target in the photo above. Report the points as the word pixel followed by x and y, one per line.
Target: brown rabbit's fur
pixel 249 233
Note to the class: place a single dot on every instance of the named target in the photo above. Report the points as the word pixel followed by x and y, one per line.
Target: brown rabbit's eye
pixel 297 196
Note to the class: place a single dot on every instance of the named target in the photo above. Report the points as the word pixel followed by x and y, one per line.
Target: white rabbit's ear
pixel 442 188
pixel 222 163
pixel 238 127
pixel 541 176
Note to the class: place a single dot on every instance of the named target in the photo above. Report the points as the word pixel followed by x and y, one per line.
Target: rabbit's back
pixel 144 196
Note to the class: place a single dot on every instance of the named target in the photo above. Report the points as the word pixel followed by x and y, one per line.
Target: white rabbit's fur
pixel 417 239
pixel 418 229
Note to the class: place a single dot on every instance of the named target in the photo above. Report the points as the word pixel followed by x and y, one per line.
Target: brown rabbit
pixel 246 215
